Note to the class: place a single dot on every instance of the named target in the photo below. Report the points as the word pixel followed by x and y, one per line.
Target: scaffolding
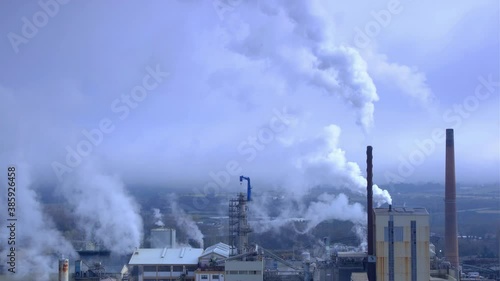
pixel 238 225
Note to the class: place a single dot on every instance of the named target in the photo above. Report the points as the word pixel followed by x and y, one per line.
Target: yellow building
pixel 402 244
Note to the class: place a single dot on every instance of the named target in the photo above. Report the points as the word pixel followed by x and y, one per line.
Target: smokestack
pixel 451 243
pixel 369 210
pixel 63 270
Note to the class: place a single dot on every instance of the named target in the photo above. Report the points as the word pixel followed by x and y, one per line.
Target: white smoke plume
pixel 322 163
pixel 158 216
pixel 295 38
pixel 326 164
pixel 329 207
pixel 325 207
pixel 361 233
pixel 185 222
pixel 272 46
pixel 38 244
pixel 260 220
pixel 104 210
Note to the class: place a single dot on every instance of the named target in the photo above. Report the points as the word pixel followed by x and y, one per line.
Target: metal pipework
pixel 249 187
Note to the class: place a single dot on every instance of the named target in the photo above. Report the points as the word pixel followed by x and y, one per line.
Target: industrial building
pixel 210 275
pixel 244 270
pixel 398 248
pixel 164 264
pixel 402 244
pixel 213 254
pixel 97 263
pixel 88 270
pixel 345 264
pixel 211 263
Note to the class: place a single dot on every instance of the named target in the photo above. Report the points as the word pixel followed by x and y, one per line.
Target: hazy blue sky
pixel 381 73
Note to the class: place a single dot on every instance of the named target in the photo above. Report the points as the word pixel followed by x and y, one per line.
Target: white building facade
pixel 165 264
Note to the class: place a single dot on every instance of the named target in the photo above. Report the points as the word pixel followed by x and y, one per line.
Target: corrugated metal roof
pixel 352 254
pixel 219 248
pixel 175 256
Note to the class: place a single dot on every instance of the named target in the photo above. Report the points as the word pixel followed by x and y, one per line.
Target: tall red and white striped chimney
pixel 450 211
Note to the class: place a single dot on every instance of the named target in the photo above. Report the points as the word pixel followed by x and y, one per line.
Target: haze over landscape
pixel 105 99
pixel 228 72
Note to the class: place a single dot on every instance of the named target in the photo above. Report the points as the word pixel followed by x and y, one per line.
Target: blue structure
pixel 249 187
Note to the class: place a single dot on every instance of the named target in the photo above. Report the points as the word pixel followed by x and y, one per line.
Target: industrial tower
pixel 238 221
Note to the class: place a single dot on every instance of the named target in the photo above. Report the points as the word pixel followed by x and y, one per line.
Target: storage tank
pixel 63 270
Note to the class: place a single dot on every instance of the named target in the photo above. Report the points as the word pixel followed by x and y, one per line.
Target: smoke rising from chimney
pixel 326 163
pixel 184 221
pixel 103 210
pixel 158 216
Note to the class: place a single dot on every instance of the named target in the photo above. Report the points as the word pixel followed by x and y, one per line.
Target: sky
pixel 182 93
pixel 101 96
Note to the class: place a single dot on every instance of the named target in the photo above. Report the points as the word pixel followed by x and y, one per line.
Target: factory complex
pixel 398 249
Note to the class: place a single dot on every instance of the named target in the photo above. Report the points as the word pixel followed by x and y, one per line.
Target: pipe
pixel 249 187
pixel 369 210
pixel 451 243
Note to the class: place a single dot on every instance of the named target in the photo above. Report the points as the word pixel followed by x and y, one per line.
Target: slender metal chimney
pixel 451 242
pixel 369 209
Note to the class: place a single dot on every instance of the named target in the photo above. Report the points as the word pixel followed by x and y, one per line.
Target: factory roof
pixel 359 276
pixel 219 248
pixel 163 229
pixel 177 256
pixel 396 211
pixel 352 254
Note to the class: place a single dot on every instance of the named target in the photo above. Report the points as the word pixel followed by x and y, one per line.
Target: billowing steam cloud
pixel 103 210
pixel 326 207
pixel 275 50
pixel 322 163
pixel 185 222
pixel 327 164
pixel 294 37
pixel 38 244
pixel 158 216
pixel 330 207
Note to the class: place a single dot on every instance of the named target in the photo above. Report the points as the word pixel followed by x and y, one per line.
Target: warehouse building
pixel 211 263
pixel 213 254
pixel 164 264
